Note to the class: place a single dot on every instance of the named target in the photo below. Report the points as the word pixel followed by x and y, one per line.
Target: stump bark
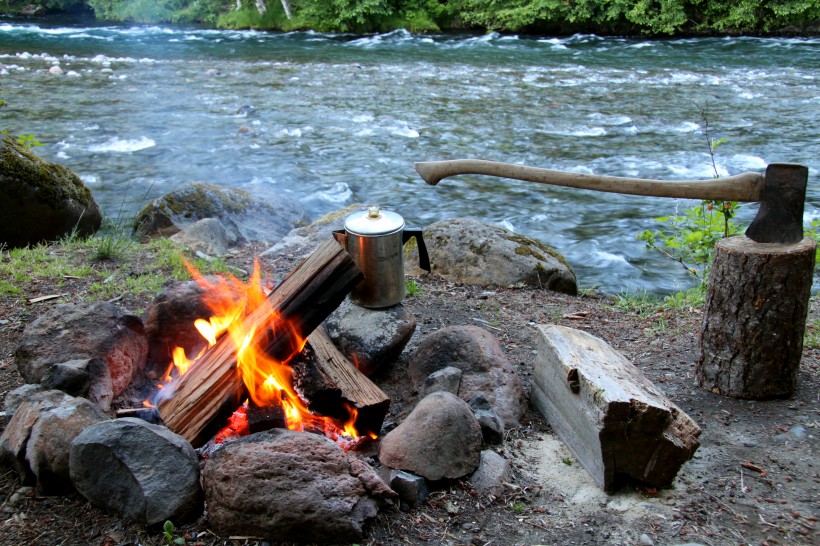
pixel 756 306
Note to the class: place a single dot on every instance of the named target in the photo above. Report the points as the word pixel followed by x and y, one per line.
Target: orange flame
pixel 269 382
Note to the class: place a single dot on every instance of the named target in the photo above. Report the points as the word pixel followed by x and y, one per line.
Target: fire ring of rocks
pixel 236 397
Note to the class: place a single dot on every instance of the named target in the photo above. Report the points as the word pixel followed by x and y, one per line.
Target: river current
pixel 333 120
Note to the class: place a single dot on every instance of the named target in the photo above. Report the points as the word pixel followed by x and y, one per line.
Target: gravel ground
pixel 754 480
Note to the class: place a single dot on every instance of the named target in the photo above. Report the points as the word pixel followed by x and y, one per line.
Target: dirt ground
pixel 754 480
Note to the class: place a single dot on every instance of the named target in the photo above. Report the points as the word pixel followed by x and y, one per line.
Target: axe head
pixel 780 217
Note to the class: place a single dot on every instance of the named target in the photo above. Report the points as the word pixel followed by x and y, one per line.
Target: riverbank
pixel 688 18
pixel 754 478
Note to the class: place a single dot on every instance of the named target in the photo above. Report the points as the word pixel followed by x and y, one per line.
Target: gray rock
pixel 797 433
pixel 49 446
pixel 473 252
pixel 446 379
pixel 492 427
pixel 137 471
pixel 485 369
pixel 370 338
pixel 16 434
pixel 411 489
pixel 169 320
pixel 207 235
pixel 41 201
pixel 492 472
pixel 20 495
pixel 87 377
pixel 38 437
pixel 646 540
pixel 301 241
pixel 19 395
pixel 291 486
pixel 248 214
pixel 439 439
pixel 82 331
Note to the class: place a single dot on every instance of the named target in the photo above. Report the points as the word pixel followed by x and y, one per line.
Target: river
pixel 338 119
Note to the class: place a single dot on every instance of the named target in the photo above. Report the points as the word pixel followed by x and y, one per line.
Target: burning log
pixel 292 311
pixel 333 385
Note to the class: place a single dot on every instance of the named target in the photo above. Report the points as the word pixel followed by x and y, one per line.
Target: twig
pixel 46 298
pixel 131 411
pixel 540 526
pixel 709 143
pixel 752 466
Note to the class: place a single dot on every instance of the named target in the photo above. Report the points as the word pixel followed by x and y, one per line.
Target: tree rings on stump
pixel 756 307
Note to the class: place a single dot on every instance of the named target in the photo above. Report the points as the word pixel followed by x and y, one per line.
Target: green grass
pixel 412 288
pixel 640 303
pixel 109 268
pixel 645 304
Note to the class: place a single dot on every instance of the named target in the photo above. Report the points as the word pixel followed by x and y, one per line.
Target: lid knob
pixel 373 211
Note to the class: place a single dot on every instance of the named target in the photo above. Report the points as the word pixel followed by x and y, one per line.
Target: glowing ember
pixel 269 382
pixel 237 425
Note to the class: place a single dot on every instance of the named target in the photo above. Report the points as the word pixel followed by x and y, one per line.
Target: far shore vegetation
pixel 650 18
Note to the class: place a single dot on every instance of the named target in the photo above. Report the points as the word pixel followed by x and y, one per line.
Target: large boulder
pixel 484 369
pixel 473 252
pixel 247 213
pixel 136 470
pixel 291 487
pixel 41 201
pixel 79 331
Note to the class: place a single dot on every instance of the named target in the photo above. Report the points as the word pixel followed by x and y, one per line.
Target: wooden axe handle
pixel 742 187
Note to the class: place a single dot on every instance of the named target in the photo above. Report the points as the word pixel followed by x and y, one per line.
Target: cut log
pixel 328 380
pixel 616 422
pixel 212 386
pixel 756 306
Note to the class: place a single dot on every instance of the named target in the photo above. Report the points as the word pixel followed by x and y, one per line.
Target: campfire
pixel 268 365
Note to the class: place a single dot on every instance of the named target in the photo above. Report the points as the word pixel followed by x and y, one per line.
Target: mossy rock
pixel 248 213
pixel 41 201
pixel 473 252
pixel 302 241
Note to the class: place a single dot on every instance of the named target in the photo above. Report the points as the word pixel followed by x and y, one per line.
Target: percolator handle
pixel 411 232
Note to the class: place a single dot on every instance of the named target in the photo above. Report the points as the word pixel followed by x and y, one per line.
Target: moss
pixel 24 172
pixel 526 250
pixel 331 217
pixel 196 200
pixel 200 199
pixel 528 246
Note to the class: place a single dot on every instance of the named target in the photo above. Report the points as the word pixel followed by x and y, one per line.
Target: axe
pixel 781 191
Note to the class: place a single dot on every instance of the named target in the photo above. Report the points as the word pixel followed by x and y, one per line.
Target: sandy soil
pixel 754 480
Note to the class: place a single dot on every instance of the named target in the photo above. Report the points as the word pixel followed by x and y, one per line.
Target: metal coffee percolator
pixel 374 239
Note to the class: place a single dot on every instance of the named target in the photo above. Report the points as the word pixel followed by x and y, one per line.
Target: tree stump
pixel 756 306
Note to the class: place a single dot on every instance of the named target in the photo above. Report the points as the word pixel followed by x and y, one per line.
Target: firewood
pixel 328 381
pixel 616 422
pixel 299 304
